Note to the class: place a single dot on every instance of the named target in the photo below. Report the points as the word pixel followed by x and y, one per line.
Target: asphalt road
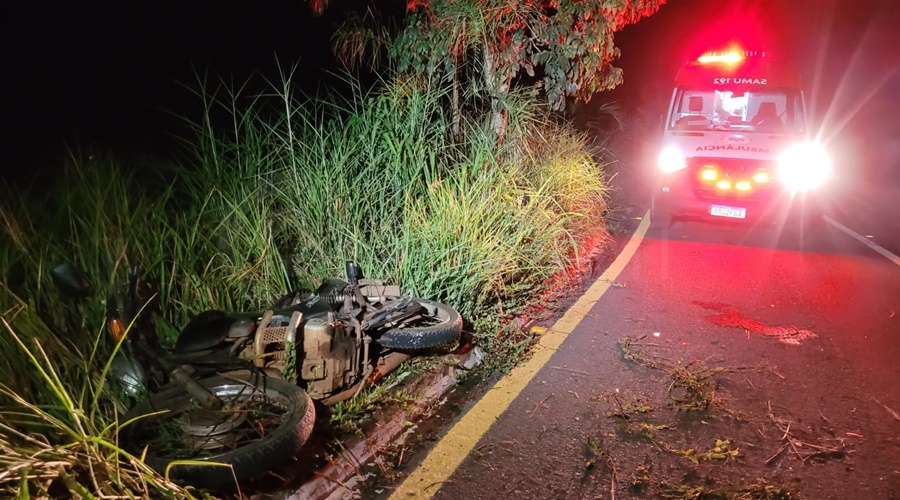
pixel 726 297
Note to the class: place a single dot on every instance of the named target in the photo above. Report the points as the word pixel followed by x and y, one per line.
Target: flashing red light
pixel 713 57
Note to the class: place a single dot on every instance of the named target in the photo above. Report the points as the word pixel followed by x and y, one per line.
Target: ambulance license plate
pixel 732 212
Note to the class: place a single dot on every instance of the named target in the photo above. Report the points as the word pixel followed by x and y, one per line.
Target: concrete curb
pixel 338 479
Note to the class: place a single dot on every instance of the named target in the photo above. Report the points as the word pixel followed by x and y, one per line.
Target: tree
pixel 567 45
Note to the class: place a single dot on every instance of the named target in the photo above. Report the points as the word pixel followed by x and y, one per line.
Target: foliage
pixel 363 40
pixel 721 451
pixel 566 44
pixel 278 199
pixel 349 413
pixel 66 445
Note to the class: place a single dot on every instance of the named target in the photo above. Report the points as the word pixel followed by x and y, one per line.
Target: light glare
pixel 670 159
pixel 804 166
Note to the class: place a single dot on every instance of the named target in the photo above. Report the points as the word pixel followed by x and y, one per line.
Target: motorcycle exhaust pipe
pixel 385 365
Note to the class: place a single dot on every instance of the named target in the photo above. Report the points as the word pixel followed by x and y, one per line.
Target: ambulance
pixel 736 145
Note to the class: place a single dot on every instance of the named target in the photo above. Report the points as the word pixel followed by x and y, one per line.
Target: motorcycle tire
pixel 245 458
pixel 438 325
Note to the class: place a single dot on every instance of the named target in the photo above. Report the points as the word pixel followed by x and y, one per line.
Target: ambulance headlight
pixel 804 166
pixel 670 159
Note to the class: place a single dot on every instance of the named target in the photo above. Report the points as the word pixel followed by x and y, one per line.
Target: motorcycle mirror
pixel 70 282
pixel 354 274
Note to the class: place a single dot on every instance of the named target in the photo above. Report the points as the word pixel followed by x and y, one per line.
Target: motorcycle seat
pixel 210 329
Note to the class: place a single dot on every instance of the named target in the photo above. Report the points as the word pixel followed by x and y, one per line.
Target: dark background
pixel 105 74
pixel 112 74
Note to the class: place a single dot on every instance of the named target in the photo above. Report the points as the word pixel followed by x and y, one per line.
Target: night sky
pixel 104 73
pixel 107 73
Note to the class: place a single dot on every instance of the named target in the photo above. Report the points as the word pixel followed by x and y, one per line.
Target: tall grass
pixel 276 192
pixel 378 180
pixel 57 421
pixel 66 446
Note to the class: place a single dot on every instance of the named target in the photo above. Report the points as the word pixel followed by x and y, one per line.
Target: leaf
pixel 23 485
pixel 574 46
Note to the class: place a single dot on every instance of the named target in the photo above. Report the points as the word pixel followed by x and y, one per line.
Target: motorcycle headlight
pixel 804 166
pixel 670 159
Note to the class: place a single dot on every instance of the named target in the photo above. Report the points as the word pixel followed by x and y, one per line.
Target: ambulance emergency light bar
pixel 729 57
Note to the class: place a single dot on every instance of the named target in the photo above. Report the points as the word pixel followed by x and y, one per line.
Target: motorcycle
pixel 238 389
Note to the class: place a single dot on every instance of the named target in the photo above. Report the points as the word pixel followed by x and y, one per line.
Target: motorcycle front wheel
pixel 433 325
pixel 264 421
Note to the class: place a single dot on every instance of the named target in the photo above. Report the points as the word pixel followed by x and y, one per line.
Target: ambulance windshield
pixel 770 110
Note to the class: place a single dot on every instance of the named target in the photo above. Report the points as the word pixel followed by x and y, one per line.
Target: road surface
pixel 793 344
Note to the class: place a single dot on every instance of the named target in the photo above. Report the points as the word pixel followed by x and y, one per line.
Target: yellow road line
pixel 454 447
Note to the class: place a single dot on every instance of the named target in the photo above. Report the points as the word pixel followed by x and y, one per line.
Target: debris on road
pixel 804 450
pixel 593 452
pixel 758 491
pixel 692 384
pixel 473 360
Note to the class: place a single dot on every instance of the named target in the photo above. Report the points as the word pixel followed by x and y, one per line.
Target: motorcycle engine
pixel 330 357
pixel 329 351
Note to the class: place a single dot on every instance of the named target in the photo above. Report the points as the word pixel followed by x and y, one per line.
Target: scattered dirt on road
pixel 695 420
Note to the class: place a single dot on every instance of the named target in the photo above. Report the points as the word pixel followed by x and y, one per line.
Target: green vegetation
pixel 278 200
pixel 348 414
pixel 59 442
pixel 625 405
pixel 447 180
pixel 570 44
pixel 489 47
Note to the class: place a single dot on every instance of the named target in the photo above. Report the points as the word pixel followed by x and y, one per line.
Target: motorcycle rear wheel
pixel 437 325
pixel 283 412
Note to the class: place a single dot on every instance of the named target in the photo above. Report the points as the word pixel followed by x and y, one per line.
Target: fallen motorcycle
pixel 233 398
